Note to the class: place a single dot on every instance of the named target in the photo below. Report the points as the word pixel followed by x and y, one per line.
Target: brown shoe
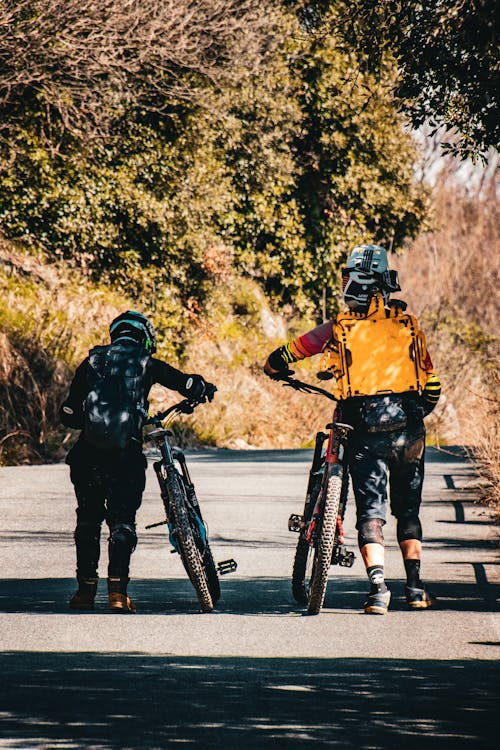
pixel 83 599
pixel 118 600
pixel 121 603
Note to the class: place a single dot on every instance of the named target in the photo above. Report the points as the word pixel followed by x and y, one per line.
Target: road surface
pixel 256 673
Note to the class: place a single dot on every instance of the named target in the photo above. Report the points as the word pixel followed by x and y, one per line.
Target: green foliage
pixel 451 322
pixel 274 171
pixel 356 181
pixel 447 57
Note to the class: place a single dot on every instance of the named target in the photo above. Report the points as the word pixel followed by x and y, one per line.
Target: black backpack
pixel 115 407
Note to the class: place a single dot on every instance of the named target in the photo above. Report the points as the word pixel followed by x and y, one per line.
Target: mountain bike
pixel 188 532
pixel 320 527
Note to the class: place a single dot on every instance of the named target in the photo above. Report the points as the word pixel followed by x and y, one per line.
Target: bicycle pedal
pixel 343 557
pixel 226 566
pixel 296 523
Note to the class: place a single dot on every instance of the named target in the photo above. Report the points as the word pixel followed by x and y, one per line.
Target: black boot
pixel 83 599
pixel 118 599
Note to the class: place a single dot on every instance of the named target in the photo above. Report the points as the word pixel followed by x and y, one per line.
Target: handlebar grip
pixel 282 375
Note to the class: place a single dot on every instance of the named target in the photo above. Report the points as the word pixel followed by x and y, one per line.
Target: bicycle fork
pixel 158 465
pixel 298 524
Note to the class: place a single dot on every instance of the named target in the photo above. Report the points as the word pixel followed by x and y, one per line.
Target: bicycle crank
pixel 154 525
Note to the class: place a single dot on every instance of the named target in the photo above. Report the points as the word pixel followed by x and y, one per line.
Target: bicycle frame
pixel 334 455
pixel 170 454
pixel 166 469
pixel 327 488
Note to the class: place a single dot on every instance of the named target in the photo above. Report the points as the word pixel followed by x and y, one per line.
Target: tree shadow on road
pixel 92 700
pixel 240 596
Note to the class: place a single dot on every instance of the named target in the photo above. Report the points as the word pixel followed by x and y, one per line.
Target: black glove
pixel 210 389
pixel 277 365
pixel 280 375
pixel 197 389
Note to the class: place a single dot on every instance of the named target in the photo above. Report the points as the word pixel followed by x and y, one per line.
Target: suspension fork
pixel 334 449
pixel 158 466
pixel 163 469
pixel 179 456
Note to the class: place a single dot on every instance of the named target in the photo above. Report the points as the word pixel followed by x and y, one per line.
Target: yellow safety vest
pixel 381 352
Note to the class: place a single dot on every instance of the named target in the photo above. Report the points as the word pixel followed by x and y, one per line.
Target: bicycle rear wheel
pixel 320 557
pixel 191 557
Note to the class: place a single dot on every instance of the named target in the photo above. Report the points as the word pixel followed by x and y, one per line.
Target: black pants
pixel 375 458
pixel 108 488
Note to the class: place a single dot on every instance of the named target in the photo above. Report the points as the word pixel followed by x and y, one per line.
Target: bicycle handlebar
pixel 186 406
pixel 299 385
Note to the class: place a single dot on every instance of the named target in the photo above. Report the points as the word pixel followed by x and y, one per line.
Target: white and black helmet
pixel 366 273
pixel 134 326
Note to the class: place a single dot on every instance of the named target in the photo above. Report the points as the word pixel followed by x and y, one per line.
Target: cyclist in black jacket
pixel 109 483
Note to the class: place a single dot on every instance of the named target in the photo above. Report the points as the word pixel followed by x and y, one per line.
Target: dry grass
pixel 450 277
pixel 52 316
pixel 250 410
pixel 457 262
pixel 486 443
pixel 48 320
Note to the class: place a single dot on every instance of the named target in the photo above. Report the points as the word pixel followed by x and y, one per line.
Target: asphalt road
pixel 256 673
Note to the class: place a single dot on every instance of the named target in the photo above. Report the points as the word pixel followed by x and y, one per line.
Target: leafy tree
pixel 356 178
pixel 271 158
pixel 82 65
pixel 447 56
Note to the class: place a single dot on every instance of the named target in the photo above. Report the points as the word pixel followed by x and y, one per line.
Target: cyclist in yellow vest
pixel 385 385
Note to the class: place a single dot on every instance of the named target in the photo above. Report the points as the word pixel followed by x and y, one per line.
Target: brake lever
pixel 296 385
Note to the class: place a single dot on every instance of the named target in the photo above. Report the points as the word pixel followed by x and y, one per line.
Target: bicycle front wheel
pixel 322 553
pixel 304 549
pixel 211 574
pixel 191 557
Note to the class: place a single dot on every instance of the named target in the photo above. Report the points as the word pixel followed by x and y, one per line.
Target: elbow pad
pixel 431 393
pixel 71 417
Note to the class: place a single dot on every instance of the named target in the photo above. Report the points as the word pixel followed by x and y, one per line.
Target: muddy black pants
pixel 108 488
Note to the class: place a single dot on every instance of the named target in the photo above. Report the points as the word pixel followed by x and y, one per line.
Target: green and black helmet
pixel 134 326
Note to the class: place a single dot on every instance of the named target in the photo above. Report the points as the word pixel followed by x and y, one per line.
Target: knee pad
pixel 370 532
pixel 123 535
pixel 409 528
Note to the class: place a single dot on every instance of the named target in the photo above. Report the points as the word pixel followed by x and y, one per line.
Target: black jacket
pixel 71 412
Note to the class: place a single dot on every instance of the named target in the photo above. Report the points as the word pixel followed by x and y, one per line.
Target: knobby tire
pixel 203 546
pixel 190 555
pixel 324 545
pixel 303 549
pixel 211 575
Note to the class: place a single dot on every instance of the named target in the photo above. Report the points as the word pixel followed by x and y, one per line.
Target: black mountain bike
pixel 320 527
pixel 188 532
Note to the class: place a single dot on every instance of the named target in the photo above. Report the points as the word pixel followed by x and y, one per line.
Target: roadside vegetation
pixel 212 163
pixel 450 277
